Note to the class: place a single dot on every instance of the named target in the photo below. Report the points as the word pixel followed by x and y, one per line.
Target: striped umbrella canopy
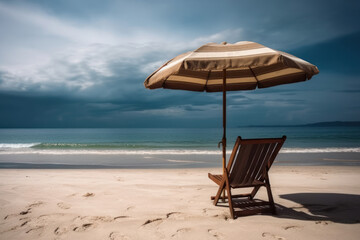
pixel 230 67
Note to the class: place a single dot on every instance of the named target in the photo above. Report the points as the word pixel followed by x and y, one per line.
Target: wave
pixel 142 149
pixel 320 150
pixel 29 149
pixel 17 145
pixel 111 152
pixel 121 146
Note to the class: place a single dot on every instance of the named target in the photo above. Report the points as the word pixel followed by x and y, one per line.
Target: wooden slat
pixel 281 142
pixel 252 168
pixel 244 175
pixel 261 140
pixel 249 204
pixel 246 195
pixel 261 159
pixel 253 184
pixel 216 178
pixel 251 164
pixel 234 164
pixel 239 164
pixel 276 152
pixel 265 161
pixel 234 153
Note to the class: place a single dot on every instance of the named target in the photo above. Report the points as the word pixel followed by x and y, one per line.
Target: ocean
pixel 168 147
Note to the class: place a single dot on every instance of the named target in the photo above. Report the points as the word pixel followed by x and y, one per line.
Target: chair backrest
pixel 251 158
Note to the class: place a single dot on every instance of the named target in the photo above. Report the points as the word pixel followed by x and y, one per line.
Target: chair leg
pixel 218 194
pixel 223 195
pixel 229 198
pixel 254 192
pixel 271 199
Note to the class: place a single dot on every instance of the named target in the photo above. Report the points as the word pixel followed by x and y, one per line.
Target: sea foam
pixel 26 149
pixel 17 145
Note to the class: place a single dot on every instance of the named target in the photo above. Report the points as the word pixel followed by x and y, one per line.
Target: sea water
pixel 137 146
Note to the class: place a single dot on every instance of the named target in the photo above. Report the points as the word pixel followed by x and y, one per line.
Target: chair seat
pixel 217 178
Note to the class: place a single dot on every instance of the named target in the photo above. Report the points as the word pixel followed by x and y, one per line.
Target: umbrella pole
pixel 224 128
pixel 224 122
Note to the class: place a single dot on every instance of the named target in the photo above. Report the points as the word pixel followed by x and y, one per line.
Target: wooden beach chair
pixel 248 167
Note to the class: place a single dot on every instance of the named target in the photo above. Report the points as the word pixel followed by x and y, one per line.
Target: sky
pixel 83 63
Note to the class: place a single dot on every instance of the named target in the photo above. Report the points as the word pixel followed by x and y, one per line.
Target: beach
pixel 153 184
pixel 123 119
pixel 313 202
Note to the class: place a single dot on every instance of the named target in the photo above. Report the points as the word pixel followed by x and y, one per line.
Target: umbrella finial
pixel 223 43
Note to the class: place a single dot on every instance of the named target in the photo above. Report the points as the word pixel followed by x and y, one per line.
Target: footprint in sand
pixel 157 220
pixel 118 236
pixel 10 216
pixel 88 194
pixel 36 204
pixel 322 222
pixel 82 223
pixel 171 215
pixel 30 226
pixel 31 206
pixel 216 234
pixel 46 218
pixel 38 229
pixel 61 230
pixel 216 213
pixel 63 205
pixel 91 219
pixel 180 231
pixel 175 215
pixel 52 216
pixel 272 236
pixel 35 224
pixel 83 227
pixel 290 227
pixel 130 208
pixel 120 217
pixel 24 223
pixel 222 216
pixel 25 212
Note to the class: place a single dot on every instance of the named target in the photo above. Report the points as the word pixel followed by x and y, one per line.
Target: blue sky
pixel 83 63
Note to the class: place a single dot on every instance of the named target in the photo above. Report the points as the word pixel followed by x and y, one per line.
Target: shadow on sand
pixel 334 207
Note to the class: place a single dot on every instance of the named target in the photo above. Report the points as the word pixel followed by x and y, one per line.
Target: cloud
pixel 85 58
pixel 44 22
pixel 90 63
pixel 83 71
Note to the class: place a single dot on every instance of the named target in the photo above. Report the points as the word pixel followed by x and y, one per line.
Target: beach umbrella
pixel 230 67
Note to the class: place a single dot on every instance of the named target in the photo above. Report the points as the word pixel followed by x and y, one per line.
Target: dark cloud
pixel 338 55
pixel 116 101
pixel 93 77
pixel 350 91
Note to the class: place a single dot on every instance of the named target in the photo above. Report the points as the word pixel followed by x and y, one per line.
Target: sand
pixel 312 203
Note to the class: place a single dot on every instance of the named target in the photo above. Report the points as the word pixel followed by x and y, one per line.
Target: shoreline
pixel 143 161
pixel 313 202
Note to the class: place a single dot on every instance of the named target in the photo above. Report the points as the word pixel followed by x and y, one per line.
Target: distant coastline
pixel 318 124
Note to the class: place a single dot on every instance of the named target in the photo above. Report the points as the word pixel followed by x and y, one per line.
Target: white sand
pixel 312 203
